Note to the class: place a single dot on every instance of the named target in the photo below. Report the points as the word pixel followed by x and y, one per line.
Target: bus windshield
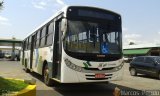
pixel 93 37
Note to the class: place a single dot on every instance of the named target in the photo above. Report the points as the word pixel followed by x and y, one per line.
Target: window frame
pixel 151 61
pixel 49 33
pixel 137 61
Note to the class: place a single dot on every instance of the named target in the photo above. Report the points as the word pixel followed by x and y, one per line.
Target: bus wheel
pixel 27 70
pixel 47 80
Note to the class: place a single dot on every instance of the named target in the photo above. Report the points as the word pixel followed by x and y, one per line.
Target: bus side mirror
pixel 63 27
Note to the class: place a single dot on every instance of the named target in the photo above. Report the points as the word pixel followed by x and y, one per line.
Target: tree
pixel 1 4
pixel 131 43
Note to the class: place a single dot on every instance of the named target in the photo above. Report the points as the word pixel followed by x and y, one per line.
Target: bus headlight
pixel 68 63
pixel 73 66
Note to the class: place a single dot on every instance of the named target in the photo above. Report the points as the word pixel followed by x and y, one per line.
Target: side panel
pixel 40 55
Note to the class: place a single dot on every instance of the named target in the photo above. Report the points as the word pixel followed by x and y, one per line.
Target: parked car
pixel 149 65
pixel 1 55
pixel 7 55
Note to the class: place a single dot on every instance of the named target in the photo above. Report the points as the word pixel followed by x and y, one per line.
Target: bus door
pixel 57 50
pixel 31 52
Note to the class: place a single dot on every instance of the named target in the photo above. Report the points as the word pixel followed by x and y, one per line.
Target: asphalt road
pixel 13 69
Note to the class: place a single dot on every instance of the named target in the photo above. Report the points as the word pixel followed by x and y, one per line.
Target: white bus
pixel 79 44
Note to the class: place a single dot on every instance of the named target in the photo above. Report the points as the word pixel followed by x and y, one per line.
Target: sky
pixel 140 18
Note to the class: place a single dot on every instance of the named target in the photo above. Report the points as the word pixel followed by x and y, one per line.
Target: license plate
pixel 99 75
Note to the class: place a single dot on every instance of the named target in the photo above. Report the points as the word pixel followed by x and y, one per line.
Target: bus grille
pixel 92 77
pixel 95 69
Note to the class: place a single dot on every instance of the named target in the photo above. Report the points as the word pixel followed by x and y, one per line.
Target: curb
pixel 30 90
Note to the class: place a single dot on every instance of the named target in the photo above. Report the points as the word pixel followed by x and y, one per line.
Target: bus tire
pixel 27 70
pixel 46 78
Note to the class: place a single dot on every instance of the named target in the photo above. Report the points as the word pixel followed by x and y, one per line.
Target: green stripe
pixel 85 65
pixel 89 63
pixel 136 51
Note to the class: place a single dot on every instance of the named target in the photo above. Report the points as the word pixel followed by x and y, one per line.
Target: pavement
pixel 13 69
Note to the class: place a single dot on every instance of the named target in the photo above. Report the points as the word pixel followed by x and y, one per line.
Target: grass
pixel 7 86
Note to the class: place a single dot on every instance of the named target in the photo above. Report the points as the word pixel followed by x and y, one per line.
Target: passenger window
pixel 43 32
pixel 51 28
pixel 42 39
pixel 139 59
pixel 29 43
pixel 35 39
pixel 49 35
pixel 25 44
pixel 38 34
pixel 149 60
pixel 37 43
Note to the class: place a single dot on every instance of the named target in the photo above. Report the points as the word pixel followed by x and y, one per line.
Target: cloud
pixel 124 29
pixel 39 5
pixel 132 36
pixel 4 21
pixel 156 39
pixel 127 34
pixel 136 41
pixel 60 2
pixel 43 4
